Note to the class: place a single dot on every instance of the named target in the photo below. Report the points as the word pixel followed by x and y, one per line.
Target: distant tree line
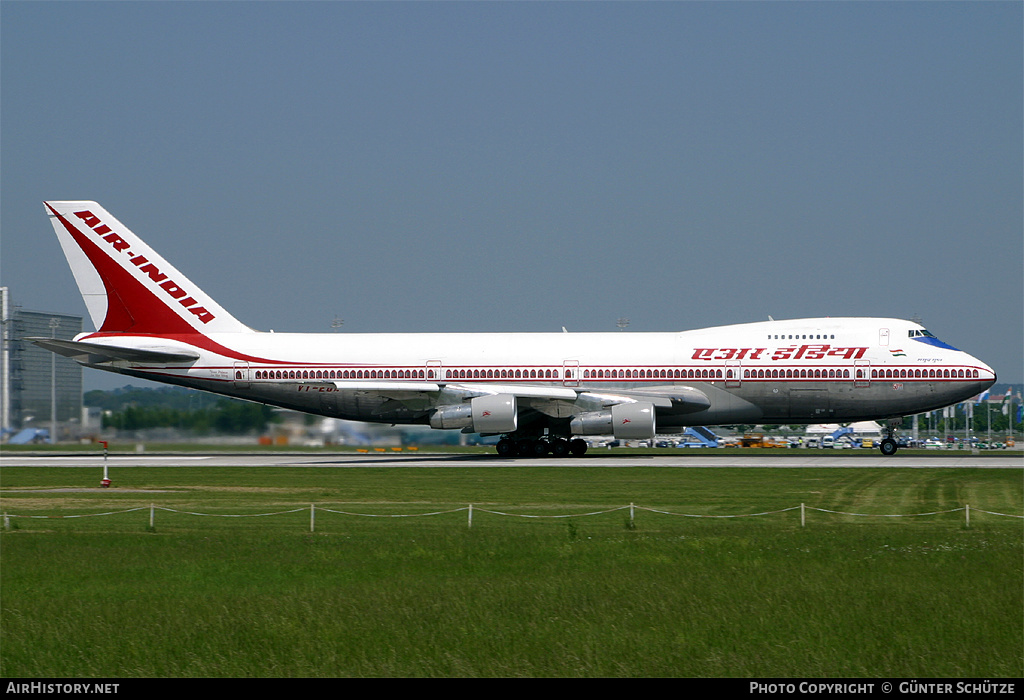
pixel 131 408
pixel 980 423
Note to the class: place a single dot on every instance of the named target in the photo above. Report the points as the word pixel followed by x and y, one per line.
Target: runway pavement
pixel 595 458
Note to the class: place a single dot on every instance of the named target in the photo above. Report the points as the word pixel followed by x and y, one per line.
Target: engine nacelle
pixel 626 421
pixel 484 414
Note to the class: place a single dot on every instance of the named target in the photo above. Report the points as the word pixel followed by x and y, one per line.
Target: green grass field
pixel 582 596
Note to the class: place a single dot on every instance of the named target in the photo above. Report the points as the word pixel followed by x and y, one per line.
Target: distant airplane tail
pixel 127 286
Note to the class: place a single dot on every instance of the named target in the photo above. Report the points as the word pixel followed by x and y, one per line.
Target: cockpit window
pixel 923 336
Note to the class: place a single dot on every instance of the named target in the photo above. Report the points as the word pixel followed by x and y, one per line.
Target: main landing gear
pixel 889 445
pixel 541 447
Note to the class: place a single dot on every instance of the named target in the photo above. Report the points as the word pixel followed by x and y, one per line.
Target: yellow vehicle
pixel 752 440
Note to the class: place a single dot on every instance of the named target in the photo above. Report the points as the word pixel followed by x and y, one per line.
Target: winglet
pixel 127 286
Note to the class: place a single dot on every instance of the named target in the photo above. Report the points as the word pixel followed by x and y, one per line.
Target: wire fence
pixel 471 509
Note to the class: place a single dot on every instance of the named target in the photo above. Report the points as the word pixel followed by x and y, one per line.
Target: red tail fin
pixel 127 286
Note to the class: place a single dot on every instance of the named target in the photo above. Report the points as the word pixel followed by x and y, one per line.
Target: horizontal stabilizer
pixel 95 353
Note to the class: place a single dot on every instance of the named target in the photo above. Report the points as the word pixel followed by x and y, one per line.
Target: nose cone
pixel 986 374
pixel 985 379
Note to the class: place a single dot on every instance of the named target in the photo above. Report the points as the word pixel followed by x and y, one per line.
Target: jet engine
pixel 626 421
pixel 484 414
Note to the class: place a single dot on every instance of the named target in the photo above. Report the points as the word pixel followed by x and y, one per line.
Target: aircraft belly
pixel 364 406
pixel 727 406
pixel 329 404
pixel 774 400
pixel 838 401
pixel 891 398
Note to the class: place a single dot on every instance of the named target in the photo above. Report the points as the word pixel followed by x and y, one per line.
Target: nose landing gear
pixel 889 445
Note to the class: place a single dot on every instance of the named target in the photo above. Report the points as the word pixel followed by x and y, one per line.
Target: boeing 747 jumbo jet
pixel 538 391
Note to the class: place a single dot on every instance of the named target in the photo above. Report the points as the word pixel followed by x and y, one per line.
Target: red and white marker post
pixel 105 482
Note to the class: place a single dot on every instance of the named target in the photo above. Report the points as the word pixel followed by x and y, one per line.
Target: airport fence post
pixel 152 515
pixel 802 520
pixel 632 523
pixel 967 511
pixel 312 518
pixel 470 515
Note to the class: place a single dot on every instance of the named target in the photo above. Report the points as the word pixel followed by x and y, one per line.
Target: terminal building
pixel 32 380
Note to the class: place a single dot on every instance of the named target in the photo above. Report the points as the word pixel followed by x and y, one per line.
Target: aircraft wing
pixel 675 399
pixel 680 399
pixel 441 394
pixel 497 408
pixel 95 353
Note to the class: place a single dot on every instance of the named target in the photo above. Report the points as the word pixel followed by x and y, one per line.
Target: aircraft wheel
pixel 578 447
pixel 524 448
pixel 505 447
pixel 540 448
pixel 888 447
pixel 560 447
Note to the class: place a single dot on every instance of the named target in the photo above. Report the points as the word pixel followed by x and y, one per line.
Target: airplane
pixel 540 392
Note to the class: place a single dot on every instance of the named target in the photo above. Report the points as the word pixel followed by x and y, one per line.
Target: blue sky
pixel 460 166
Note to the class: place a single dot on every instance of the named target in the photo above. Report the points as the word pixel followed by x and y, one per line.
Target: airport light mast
pixel 54 325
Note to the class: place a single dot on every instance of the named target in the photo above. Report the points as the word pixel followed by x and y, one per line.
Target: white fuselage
pixel 804 370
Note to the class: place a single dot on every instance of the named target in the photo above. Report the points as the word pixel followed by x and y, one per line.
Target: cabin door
pixel 733 373
pixel 241 377
pixel 433 372
pixel 571 372
pixel 861 373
